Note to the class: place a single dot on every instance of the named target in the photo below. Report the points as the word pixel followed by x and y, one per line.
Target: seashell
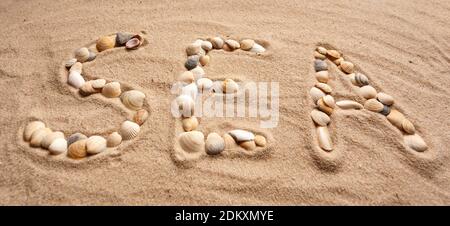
pixel 316 94
pixel 113 140
pixel 129 130
pixel 192 62
pixel 320 65
pixel 257 48
pixel 241 135
pixel 58 146
pixel 368 92
pixel 140 117
pixel 111 89
pixel 338 61
pixel 396 118
pixel 215 144
pixel 92 56
pixel 347 66
pixel 190 90
pixel 359 80
pixel 260 141
pixel 230 86
pixel 324 138
pixel 190 123
pixel 133 99
pixel 87 89
pixel 217 42
pixel 104 43
pixel 123 37
pixel 186 77
pixel 232 44
pixel 324 87
pixel 75 137
pixel 98 83
pixel 77 67
pixel 204 60
pixel 319 56
pixel 95 145
pixel 373 105
pixel 408 127
pixel 45 143
pixel 329 101
pixel 70 63
pixel 193 49
pixel 198 42
pixel 333 54
pixel 133 43
pixel 248 145
pixel 321 50
pixel 349 104
pixel 198 73
pixel 31 128
pixel 82 54
pixel 247 44
pixel 77 150
pixel 192 142
pixel 184 105
pixel 230 143
pixel 323 107
pixel 75 79
pixel 320 118
pixel 386 110
pixel 415 142
pixel 204 84
pixel 322 76
pixel 206 45
pixel 38 136
pixel 385 99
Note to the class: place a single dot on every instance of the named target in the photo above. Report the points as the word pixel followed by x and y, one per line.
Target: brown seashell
pixel 349 104
pixel 248 145
pixel 114 139
pixel 320 118
pixel 111 90
pixel 385 99
pixel 77 150
pixel 193 50
pixel 396 118
pixel 373 105
pixel 186 77
pixel 204 60
pixel 82 54
pixel 338 61
pixel 415 142
pixel 333 54
pixel 319 56
pixel 140 117
pixel 45 143
pixel 190 123
pixel 322 76
pixel 232 44
pixel 324 87
pixel 408 127
pixel 347 66
pixel 38 136
pixel 95 145
pixel 31 128
pixel 316 94
pixel 323 107
pixel 230 143
pixel 217 42
pixel 324 138
pixel 104 43
pixel 321 50
pixel 368 92
pixel 260 141
pixel 247 44
pixel 329 101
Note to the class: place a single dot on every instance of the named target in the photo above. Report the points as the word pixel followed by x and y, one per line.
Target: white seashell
pixel 129 130
pixel 207 45
pixel 190 123
pixel 257 48
pixel 320 118
pixel 415 142
pixel 184 105
pixel 58 146
pixel 324 138
pixel 260 141
pixel 217 42
pixel 111 90
pixel 30 128
pixel 75 79
pixel 192 142
pixel 204 84
pixel 368 92
pixel 316 94
pixel 95 145
pixel 322 76
pixel 385 99
pixel 241 135
pixel 82 54
pixel 113 140
pixel 349 104
pixel 215 144
pixel 198 42
pixel 133 99
pixel 198 73
pixel 190 90
pixel 98 83
pixel 38 136
pixel 230 86
pixel 48 140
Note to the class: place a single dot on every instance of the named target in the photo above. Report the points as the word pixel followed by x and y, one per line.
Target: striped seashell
pixel 133 99
pixel 248 145
pixel 247 44
pixel 415 142
pixel 408 127
pixel 349 104
pixel 217 42
pixel 321 50
pixel 324 138
pixel 114 139
pixel 95 145
pixel 359 79
pixel 31 128
pixel 320 65
pixel 38 136
pixel 396 118
pixel 257 48
pixel 111 90
pixel 186 77
pixel 48 140
pixel 140 116
pixel 323 107
pixel 316 94
pixel 333 54
pixel 75 79
pixel 190 123
pixel 322 76
pixel 82 54
pixel 129 130
pixel 260 141
pixel 77 150
pixel 58 146
pixel 346 66
pixel 192 142
pixel 104 43
pixel 215 144
pixel 320 118
pixel 373 105
pixel 385 99
pixel 368 92
pixel 241 135
pixel 324 87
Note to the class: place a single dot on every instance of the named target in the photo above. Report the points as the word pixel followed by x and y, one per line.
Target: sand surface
pixel 402 46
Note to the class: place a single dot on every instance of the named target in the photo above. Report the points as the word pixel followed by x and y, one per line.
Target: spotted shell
pixel 321 50
pixel 111 89
pixel 260 141
pixel 192 142
pixel 320 65
pixel 323 107
pixel 415 142
pixel 113 140
pixel 247 44
pixel 140 116
pixel 368 92
pixel 215 144
pixel 373 105
pixel 248 145
pixel 324 138
pixel 232 44
pixel 58 146
pixel 385 99
pixel 322 76
pixel 408 127
pixel 75 79
pixel 82 54
pixel 217 42
pixel 324 87
pixel 95 145
pixel 77 150
pixel 347 66
pixel 129 130
pixel 204 60
pixel 320 118
pixel 241 135
pixel 133 99
pixel 105 42
pixel 190 123
pixel 349 104
pixel 45 143
pixel 38 136
pixel 316 94
pixel 230 86
pixel 186 77
pixel 396 118
pixel 31 128
pixel 333 54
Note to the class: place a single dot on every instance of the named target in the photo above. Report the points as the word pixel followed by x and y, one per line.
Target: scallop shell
pixel 338 61
pixel 113 140
pixel 111 90
pixel 77 67
pixel 98 83
pixel 192 142
pixel 257 48
pixel 322 76
pixel 31 128
pixel 248 145
pixel 321 50
pixel 123 37
pixel 75 79
pixel 323 107
pixel 193 49
pixel 329 101
pixel 184 105
pixel 198 73
pixel 204 84
pixel 319 56
pixel 333 54
pixel 75 137
pixel 386 110
pixel 204 60
pixel 190 90
pixel 58 146
pixel 359 80
pixel 324 87
pixel 207 45
pixel 82 54
pixel 324 138
pixel 320 65
pixel 95 145
pixel 140 117
pixel 232 44
pixel 70 63
pixel 373 105
pixel 247 44
pixel 230 86
pixel 77 150
pixel 385 99
pixel 104 43
pixel 217 42
pixel 408 127
pixel 260 141
pixel 241 135
pixel 133 99
pixel 215 144
pixel 349 104
pixel 133 43
pixel 396 118
pixel 129 130
pixel 192 62
pixel 190 123
pixel 316 94
pixel 368 92
pixel 186 77
pixel 415 142
pixel 347 66
pixel 38 136
pixel 48 140
pixel 320 118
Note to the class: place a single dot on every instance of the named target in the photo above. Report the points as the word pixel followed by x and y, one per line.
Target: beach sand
pixel 402 46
